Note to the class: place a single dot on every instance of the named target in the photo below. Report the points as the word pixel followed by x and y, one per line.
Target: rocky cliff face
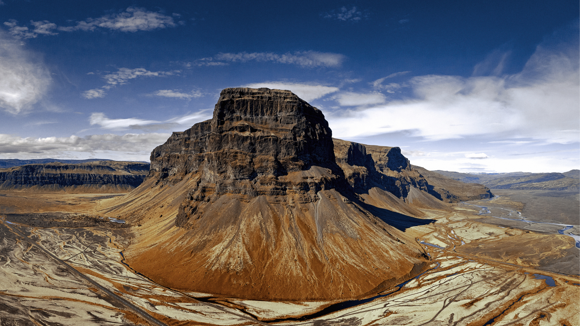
pixel 100 176
pixel 260 202
pixel 260 142
pixel 367 166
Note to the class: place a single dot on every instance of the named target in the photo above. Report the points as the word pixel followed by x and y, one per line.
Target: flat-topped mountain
pixel 260 202
pixel 95 176
pixel 8 163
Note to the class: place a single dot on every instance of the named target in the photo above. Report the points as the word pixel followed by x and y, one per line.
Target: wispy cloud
pixel 94 93
pixel 345 14
pixel 178 94
pixel 307 92
pixel 391 87
pixel 141 144
pixel 133 19
pixel 493 64
pixel 359 99
pixel 24 80
pixel 101 120
pixel 476 156
pixel 307 59
pixel 540 103
pixel 121 77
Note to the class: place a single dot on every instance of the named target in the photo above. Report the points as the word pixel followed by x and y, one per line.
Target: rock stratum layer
pixel 99 176
pixel 260 202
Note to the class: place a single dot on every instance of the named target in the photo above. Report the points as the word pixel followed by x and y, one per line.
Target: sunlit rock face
pixel 260 202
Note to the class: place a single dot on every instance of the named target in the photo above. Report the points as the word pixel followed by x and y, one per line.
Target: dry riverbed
pixel 76 275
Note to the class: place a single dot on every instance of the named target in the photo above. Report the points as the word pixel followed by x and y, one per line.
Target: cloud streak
pixel 307 92
pixel 359 99
pixel 24 80
pixel 101 120
pixel 121 77
pixel 345 14
pixel 133 19
pixel 306 59
pixel 177 94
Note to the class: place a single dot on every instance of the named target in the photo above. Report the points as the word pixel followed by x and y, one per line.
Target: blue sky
pixel 472 86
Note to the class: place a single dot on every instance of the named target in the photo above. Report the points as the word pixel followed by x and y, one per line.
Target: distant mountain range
pixel 79 176
pixel 8 163
pixel 567 181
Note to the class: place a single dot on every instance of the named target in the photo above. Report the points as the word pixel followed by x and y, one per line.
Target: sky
pixel 469 86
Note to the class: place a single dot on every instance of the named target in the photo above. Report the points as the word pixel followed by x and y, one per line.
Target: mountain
pixel 567 181
pixel 452 190
pixel 261 202
pixel 95 176
pixel 8 163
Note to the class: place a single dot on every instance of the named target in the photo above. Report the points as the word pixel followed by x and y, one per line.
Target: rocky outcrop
pixel 99 176
pixel 367 166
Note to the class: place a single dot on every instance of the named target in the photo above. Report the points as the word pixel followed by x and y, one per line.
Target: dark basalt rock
pixel 259 142
pixel 263 142
pixel 58 176
pixel 367 166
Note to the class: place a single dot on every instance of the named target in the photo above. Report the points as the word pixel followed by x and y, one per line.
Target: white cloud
pixel 131 20
pixel 345 14
pixel 178 94
pixel 44 27
pixel 307 92
pixel 94 93
pixel 101 119
pixel 308 59
pixel 191 119
pixel 19 32
pixel 137 146
pixel 476 156
pixel 124 74
pixel 359 99
pixel 458 161
pixel 23 79
pixel 121 77
pixel 539 103
pixel 377 84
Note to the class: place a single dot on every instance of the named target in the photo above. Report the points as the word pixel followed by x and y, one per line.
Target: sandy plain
pixel 61 263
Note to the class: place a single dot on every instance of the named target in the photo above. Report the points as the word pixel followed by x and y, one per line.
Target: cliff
pixel 98 176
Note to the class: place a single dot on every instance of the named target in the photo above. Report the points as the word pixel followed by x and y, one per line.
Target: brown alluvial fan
pixel 260 202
